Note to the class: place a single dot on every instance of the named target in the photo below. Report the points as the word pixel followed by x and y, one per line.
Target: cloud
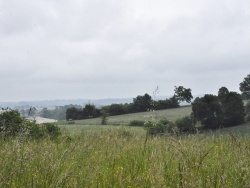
pixel 107 48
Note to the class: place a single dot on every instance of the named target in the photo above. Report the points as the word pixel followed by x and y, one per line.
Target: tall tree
pixel 207 110
pixel 245 85
pixel 143 103
pixel 232 107
pixel 183 94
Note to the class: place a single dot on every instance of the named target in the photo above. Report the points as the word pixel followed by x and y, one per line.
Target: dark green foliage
pixel 183 94
pixel 142 103
pixel 207 110
pixel 247 107
pixel 104 118
pixel 58 113
pixel 11 122
pixel 161 127
pixel 44 130
pixel 185 124
pixel 51 130
pixel 222 93
pixel 136 123
pixel 116 109
pixel 73 113
pixel 35 131
pixel 232 107
pixel 247 110
pixel 166 104
pixel 245 85
pixel 90 111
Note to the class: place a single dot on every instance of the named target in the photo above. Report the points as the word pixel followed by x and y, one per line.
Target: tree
pixel 245 85
pixel 73 113
pixel 142 103
pixel 116 109
pixel 232 107
pixel 11 122
pixel 89 111
pixel 183 94
pixel 222 93
pixel 207 110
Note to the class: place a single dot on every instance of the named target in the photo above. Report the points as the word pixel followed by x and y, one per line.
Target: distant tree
pixel 73 113
pixel 207 110
pixel 116 109
pixel 89 111
pixel 232 107
pixel 172 102
pixel 222 93
pixel 104 118
pixel 46 113
pixel 183 94
pixel 143 103
pixel 245 85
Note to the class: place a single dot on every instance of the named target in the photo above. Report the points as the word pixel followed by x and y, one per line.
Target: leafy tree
pixel 143 103
pixel 73 113
pixel 183 94
pixel 207 110
pixel 232 107
pixel 222 93
pixel 116 109
pixel 89 111
pixel 104 118
pixel 11 122
pixel 245 85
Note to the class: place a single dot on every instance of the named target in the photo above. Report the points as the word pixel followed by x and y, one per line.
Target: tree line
pixel 141 103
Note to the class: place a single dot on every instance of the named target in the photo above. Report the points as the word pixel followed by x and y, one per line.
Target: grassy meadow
pixel 121 156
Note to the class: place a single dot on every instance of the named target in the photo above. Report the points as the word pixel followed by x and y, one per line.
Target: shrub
pixel 11 122
pixel 35 131
pixel 51 130
pixel 185 124
pixel 136 123
pixel 161 127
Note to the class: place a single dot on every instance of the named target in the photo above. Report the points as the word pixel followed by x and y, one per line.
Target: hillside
pixel 170 114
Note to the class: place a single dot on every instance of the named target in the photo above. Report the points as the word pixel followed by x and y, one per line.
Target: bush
pixel 161 127
pixel 52 130
pixel 185 124
pixel 44 130
pixel 11 122
pixel 136 123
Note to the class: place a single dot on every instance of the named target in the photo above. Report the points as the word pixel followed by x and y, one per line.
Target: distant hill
pixel 52 103
pixel 63 102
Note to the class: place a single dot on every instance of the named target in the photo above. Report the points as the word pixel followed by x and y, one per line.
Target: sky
pixel 94 49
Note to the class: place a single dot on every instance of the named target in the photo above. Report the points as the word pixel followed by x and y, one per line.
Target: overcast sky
pixel 61 49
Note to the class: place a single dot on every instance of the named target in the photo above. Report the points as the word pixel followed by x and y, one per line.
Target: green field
pixel 123 156
pixel 170 114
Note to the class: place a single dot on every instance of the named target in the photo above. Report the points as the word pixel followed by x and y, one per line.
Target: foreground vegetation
pixel 122 157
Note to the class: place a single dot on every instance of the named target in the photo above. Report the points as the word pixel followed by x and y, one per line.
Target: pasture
pixel 122 156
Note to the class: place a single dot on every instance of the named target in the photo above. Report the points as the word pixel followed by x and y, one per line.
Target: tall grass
pixel 120 157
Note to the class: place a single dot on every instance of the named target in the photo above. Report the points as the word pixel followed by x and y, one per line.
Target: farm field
pixel 123 156
pixel 170 114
